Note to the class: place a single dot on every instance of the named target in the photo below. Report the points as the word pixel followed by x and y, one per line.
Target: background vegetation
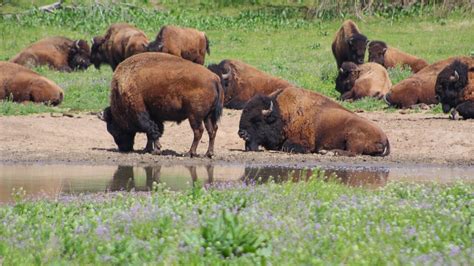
pixel 290 39
pixel 306 223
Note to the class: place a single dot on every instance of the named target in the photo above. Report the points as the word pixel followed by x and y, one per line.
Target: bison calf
pixel 366 80
pixel 21 84
pixel 59 53
pixel 119 43
pixel 242 81
pixel 187 43
pixel 455 88
pixel 349 44
pixel 297 120
pixel 419 87
pixel 150 88
pixel 390 57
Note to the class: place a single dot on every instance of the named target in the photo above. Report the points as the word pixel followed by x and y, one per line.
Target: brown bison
pixel 242 81
pixel 366 80
pixel 150 88
pixel 419 87
pixel 297 120
pixel 119 43
pixel 21 84
pixel 187 43
pixel 59 53
pixel 390 57
pixel 349 44
pixel 455 88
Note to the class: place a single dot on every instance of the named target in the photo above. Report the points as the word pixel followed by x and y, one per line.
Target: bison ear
pixel 267 112
pixel 98 40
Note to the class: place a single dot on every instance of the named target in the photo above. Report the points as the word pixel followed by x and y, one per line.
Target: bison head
pixel 79 55
pixel 377 51
pixel 357 45
pixel 261 124
pixel 44 91
pixel 122 138
pixel 224 72
pixel 450 83
pixel 348 74
pixel 97 52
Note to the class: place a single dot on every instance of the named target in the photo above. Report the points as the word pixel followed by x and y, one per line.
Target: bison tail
pixel 208 50
pixel 218 103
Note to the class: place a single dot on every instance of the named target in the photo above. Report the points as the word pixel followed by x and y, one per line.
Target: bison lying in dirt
pixel 59 53
pixel 187 43
pixel 390 57
pixel 297 120
pixel 366 80
pixel 419 87
pixel 21 84
pixel 119 43
pixel 150 88
pixel 455 88
pixel 349 44
pixel 242 81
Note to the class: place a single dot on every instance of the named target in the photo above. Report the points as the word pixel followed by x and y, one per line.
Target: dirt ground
pixel 416 138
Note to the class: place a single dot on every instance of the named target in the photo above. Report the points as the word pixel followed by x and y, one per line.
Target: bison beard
pixel 450 85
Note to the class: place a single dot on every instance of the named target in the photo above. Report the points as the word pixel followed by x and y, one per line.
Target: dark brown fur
pixel 297 120
pixel 367 80
pixel 21 84
pixel 59 53
pixel 150 88
pixel 419 87
pixel 245 81
pixel 390 57
pixel 187 43
pixel 349 44
pixel 119 43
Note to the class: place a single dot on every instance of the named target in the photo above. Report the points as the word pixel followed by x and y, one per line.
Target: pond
pixel 52 180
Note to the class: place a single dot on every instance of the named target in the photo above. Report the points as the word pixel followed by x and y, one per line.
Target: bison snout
pixel 244 135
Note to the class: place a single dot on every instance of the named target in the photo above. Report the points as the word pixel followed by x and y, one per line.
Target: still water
pixel 51 180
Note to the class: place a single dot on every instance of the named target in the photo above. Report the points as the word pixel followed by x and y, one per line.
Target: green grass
pixel 277 40
pixel 314 222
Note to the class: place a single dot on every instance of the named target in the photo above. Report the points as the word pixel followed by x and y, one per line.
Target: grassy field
pixel 314 222
pixel 280 41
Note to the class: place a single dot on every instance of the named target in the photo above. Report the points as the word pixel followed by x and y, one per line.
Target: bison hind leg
pixel 198 129
pixel 153 131
pixel 466 110
pixel 211 127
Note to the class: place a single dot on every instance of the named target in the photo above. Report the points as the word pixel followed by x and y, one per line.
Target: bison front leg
pixel 198 129
pixel 153 133
pixel 211 128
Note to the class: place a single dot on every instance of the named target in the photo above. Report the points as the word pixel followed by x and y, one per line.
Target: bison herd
pixel 165 80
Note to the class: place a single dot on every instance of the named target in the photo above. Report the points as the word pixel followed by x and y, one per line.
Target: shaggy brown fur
pixel 58 53
pixel 349 44
pixel 187 43
pixel 298 120
pixel 391 57
pixel 419 87
pixel 366 80
pixel 119 43
pixel 150 88
pixel 242 81
pixel 20 84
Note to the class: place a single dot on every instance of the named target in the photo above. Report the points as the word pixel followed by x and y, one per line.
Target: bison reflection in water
pixel 455 88
pixel 150 88
pixel 297 120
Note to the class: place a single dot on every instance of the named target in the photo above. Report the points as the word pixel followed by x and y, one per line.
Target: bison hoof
pixel 190 154
pixel 454 115
pixel 209 154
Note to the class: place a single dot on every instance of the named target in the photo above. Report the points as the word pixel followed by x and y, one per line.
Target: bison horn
pixel 341 70
pixel 456 76
pixel 269 110
pixel 76 44
pixel 226 75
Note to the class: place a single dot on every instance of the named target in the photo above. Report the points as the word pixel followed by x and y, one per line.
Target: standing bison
pixel 297 120
pixel 59 53
pixel 150 88
pixel 349 44
pixel 119 43
pixel 21 84
pixel 390 57
pixel 455 88
pixel 366 80
pixel 419 87
pixel 242 81
pixel 187 43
